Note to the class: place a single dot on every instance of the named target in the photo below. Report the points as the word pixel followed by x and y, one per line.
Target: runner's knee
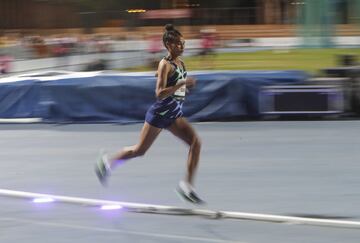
pixel 139 151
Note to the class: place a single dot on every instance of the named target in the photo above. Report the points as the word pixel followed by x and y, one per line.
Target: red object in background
pixel 207 41
pixel 166 14
pixel 155 44
pixel 5 63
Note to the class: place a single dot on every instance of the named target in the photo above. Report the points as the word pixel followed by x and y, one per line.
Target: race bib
pixel 181 91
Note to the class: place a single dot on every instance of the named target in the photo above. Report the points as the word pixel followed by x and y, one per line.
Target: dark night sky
pixel 152 4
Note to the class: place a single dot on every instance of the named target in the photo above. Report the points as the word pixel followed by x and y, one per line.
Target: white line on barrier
pixel 163 209
pixel 20 120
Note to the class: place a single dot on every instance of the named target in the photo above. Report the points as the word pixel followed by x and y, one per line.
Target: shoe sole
pixel 185 198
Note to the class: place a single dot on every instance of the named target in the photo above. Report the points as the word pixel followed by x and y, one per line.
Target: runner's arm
pixel 161 90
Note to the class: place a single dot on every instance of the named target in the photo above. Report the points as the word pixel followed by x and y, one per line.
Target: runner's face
pixel 177 47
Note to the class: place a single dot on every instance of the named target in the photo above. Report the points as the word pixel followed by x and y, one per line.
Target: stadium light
pixel 136 10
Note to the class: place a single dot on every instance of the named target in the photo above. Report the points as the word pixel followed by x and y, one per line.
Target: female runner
pixel 165 113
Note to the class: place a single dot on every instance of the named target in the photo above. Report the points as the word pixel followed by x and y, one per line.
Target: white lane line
pixel 292 219
pixel 129 232
pixel 136 207
pixel 152 208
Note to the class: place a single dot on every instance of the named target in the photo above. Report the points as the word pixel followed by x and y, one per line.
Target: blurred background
pixel 31 29
pixel 320 38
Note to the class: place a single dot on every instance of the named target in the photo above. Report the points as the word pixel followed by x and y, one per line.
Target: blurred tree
pixel 317 20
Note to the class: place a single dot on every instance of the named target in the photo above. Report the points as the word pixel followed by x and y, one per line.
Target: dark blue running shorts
pixel 157 120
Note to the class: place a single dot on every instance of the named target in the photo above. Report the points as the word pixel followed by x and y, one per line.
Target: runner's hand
pixel 190 82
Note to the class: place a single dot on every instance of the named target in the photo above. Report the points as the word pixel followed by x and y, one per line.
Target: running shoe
pixel 188 193
pixel 102 168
